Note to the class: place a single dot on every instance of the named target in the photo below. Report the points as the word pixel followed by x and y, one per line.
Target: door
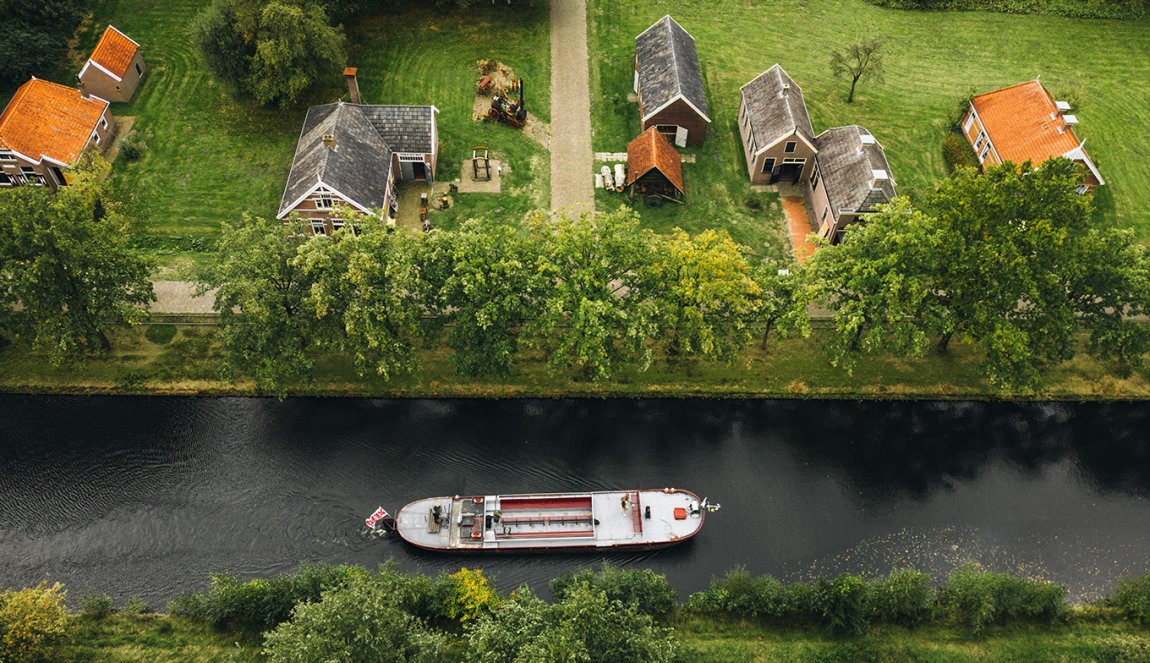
pixel 680 136
pixel 419 170
pixel 58 175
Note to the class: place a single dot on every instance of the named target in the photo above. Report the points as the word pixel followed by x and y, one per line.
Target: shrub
pixel 33 623
pixel 648 591
pixel 1075 8
pixel 980 598
pixel 136 606
pixel 96 606
pixel 958 152
pixel 131 148
pixel 842 603
pixel 1125 649
pixel 1133 597
pixel 471 595
pixel 904 597
pixel 160 334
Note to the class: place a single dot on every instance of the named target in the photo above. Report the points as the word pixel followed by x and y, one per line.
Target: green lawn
pixel 210 158
pixel 932 61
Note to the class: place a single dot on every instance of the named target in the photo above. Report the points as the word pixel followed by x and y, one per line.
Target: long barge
pixel 630 519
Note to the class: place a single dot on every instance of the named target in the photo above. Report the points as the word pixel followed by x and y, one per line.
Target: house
pixel 778 139
pixel 45 129
pixel 1024 123
pixel 851 177
pixel 669 84
pixel 351 156
pixel 114 69
pixel 654 168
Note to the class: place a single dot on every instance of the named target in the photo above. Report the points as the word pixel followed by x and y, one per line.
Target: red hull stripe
pixel 515 503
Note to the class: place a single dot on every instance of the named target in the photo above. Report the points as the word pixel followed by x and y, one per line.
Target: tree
pixel 707 295
pixel 782 300
pixel 296 49
pixel 861 62
pixel 33 623
pixel 471 595
pixel 34 36
pixel 261 295
pixel 599 310
pixel 218 36
pixel 358 622
pixel 68 276
pixel 584 626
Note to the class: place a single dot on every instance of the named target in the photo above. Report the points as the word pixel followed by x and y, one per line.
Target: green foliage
pixel 135 606
pixel 260 604
pixel 359 621
pixel 34 36
pixel 842 603
pixel 905 597
pixel 738 594
pixel 471 595
pixel 859 62
pixel 584 626
pixel 1133 597
pixel 1075 8
pixel 33 623
pixel 217 36
pixel 646 590
pixel 67 274
pixel 1125 649
pixel 600 309
pixel 96 606
pixel 958 152
pixel 782 300
pixel 981 598
pixel 160 334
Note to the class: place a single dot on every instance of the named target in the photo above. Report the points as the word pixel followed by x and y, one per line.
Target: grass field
pixel 210 158
pixel 932 60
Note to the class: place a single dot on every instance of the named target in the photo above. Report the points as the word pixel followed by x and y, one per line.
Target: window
pixel 815 177
pixel 103 123
pixel 768 165
pixel 31 176
pixel 1081 189
pixel 981 139
pixel 7 156
pixel 983 153
pixel 139 71
pixel 324 201
pixel 5 179
pixel 790 146
pixel 969 122
pixel 318 228
pixel 96 137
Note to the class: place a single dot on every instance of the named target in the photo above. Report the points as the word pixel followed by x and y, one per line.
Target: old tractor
pixel 511 113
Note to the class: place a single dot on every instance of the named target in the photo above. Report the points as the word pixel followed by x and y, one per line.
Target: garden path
pixel 571 166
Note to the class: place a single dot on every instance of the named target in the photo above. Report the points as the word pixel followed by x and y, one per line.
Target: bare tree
pixel 859 61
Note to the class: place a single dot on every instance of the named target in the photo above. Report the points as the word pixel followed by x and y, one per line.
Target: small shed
pixel 114 69
pixel 654 169
pixel 669 83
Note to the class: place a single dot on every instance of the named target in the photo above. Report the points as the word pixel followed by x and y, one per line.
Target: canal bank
pixel 147 496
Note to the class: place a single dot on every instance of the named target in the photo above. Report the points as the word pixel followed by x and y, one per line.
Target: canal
pixel 147 496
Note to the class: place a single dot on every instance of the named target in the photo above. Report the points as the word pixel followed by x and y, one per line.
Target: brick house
pixel 669 84
pixel 851 177
pixel 352 155
pixel 114 69
pixel 1024 123
pixel 778 139
pixel 45 129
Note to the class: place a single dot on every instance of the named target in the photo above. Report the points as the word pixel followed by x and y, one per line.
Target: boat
pixel 586 521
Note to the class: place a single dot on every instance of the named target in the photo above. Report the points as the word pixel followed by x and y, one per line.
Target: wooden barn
pixel 669 83
pixel 654 169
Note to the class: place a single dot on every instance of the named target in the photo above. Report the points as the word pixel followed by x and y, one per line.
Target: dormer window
pixel 789 148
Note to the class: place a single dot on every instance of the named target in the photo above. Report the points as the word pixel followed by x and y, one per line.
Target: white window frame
pixel 7 156
pixel 1081 189
pixel 31 176
pixel 103 123
pixel 982 137
pixel 969 123
pixel 984 152
pixel 318 227
pixel 412 157
pixel 766 170
pixel 324 201
pixel 96 137
pixel 6 179
pixel 790 147
pixel 815 177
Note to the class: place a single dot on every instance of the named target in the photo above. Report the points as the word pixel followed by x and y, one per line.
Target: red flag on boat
pixel 374 518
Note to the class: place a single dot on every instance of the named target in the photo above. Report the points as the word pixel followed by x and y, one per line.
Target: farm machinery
pixel 511 113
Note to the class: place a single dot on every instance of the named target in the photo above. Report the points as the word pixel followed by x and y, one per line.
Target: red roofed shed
pixel 654 169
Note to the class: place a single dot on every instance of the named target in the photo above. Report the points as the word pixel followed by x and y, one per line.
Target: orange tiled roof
pixel 114 51
pixel 1018 121
pixel 651 150
pixel 48 119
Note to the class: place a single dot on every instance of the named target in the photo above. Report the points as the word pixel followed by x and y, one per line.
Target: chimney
pixel 329 141
pixel 352 85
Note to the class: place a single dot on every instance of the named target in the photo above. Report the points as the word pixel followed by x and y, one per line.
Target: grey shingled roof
pixel 776 108
pixel 365 137
pixel 847 167
pixel 668 67
pixel 405 128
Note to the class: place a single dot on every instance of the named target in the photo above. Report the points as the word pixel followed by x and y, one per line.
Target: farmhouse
pixel 851 176
pixel 45 129
pixel 669 84
pixel 778 139
pixel 1024 123
pixel 114 69
pixel 654 168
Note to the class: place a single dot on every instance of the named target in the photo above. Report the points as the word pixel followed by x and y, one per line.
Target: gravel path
pixel 180 297
pixel 571 167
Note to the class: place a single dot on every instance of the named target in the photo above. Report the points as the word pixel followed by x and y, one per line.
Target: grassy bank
pixel 191 362
pixel 932 60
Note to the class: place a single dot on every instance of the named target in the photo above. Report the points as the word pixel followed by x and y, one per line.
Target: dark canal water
pixel 146 496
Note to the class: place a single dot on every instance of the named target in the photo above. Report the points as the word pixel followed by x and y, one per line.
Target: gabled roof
pixel 114 52
pixel 650 150
pixel 848 160
pixel 776 109
pixel 1024 124
pixel 357 166
pixel 404 128
pixel 668 68
pixel 49 120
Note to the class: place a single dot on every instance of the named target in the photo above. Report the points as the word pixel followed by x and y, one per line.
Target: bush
pixel 160 334
pixel 1074 8
pixel 958 152
pixel 1133 597
pixel 904 597
pixel 471 595
pixel 1125 649
pixel 96 606
pixel 33 623
pixel 981 598
pixel 136 606
pixel 648 591
pixel 842 603
pixel 131 149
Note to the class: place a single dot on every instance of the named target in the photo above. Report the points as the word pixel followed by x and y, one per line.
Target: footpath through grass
pixel 190 361
pixel 932 60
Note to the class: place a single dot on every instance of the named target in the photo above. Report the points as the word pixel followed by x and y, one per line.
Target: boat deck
pixel 555 521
